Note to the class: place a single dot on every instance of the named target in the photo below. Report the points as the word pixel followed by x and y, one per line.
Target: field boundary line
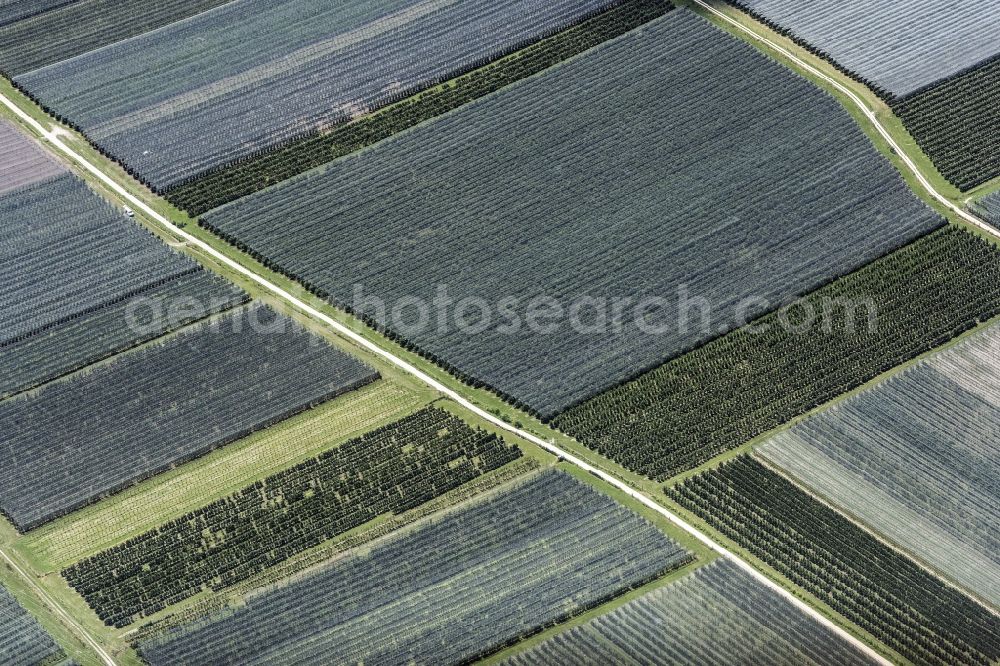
pixel 53 138
pixel 965 215
pixel 868 112
pixel 63 615
pixel 846 514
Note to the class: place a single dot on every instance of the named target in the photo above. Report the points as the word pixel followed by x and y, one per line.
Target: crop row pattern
pixel 23 642
pixel 457 588
pixel 73 442
pixel 504 202
pixel 389 470
pixel 80 26
pixel 719 614
pixel 869 583
pixel 957 123
pixel 251 74
pixel 743 384
pixel 253 173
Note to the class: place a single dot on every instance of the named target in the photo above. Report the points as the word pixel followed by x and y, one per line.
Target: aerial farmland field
pixel 718 614
pixel 452 589
pixel 15 10
pixel 75 27
pixel 72 262
pixel 738 386
pixel 304 506
pixel 21 162
pixel 185 489
pixel 955 122
pixel 936 62
pixel 924 619
pixel 127 441
pixel 419 332
pixel 23 641
pixel 989 206
pixel 229 182
pixel 208 90
pixel 921 52
pixel 715 227
pixel 911 457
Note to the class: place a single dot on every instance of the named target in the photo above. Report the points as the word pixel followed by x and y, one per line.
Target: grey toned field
pixel 74 441
pixel 65 250
pixel 717 615
pixel 680 159
pixel 82 339
pixel 989 207
pixel 74 267
pixel 466 584
pixel 78 26
pixel 15 10
pixel 915 458
pixel 23 642
pixel 901 45
pixel 250 74
pixel 22 163
pixel 390 470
